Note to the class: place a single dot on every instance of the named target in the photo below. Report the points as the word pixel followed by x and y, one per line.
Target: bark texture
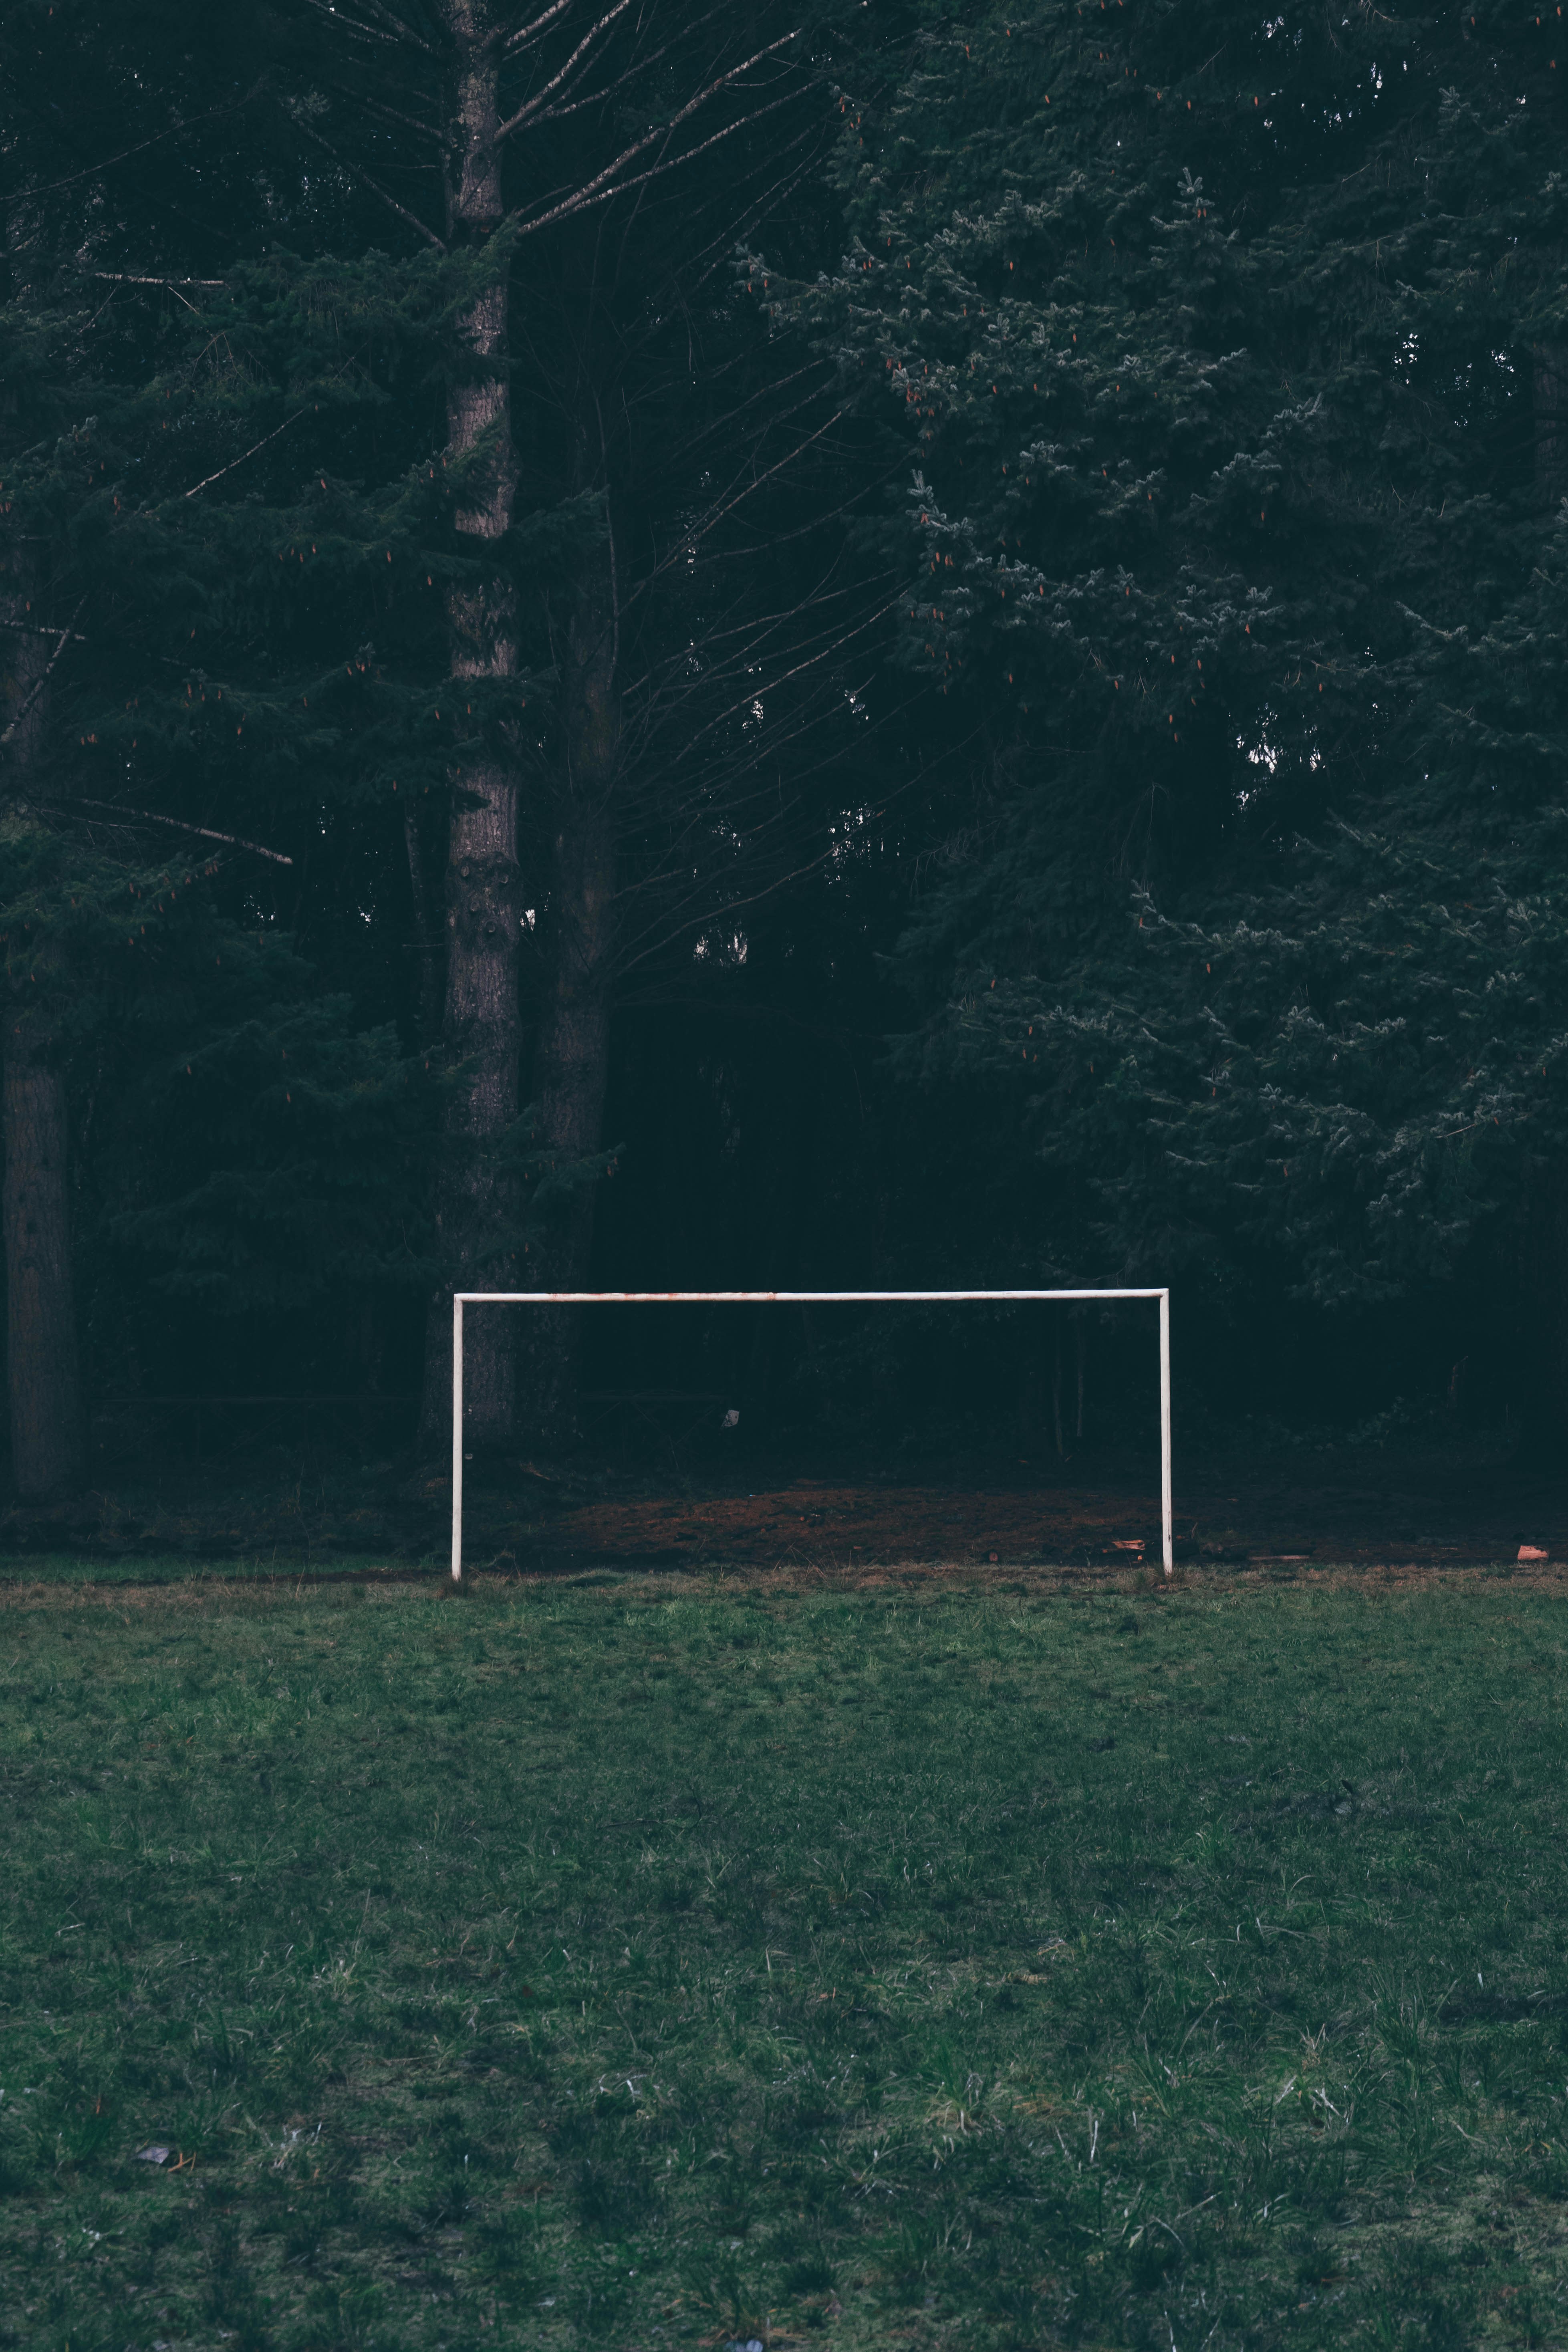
pixel 42 1364
pixel 483 913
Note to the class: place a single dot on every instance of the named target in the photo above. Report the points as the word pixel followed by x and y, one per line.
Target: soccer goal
pixel 461 1298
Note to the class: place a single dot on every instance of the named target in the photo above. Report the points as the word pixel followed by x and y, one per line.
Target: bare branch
pixel 757 692
pixel 650 57
pixel 379 108
pixel 685 546
pixel 44 675
pixel 132 278
pixel 717 515
pixel 173 285
pixel 202 831
pixel 345 23
pixel 249 453
pixel 661 944
pixel 374 186
pixel 214 114
pixel 404 30
pixel 527 34
pixel 27 629
pixel 539 98
pixel 604 184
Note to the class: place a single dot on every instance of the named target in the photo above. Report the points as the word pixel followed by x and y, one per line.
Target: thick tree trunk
pixel 572 1057
pixel 481 1021
pixel 42 1366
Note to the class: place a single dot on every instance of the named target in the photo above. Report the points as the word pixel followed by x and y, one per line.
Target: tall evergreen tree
pixel 330 552
pixel 1223 353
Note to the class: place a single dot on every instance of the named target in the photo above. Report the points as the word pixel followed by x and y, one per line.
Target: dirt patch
pixel 832 1526
pixel 1289 1516
pixel 1286 1516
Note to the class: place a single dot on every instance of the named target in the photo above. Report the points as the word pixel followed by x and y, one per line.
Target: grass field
pixel 619 1966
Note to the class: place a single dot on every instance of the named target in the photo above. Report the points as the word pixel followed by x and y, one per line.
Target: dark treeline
pixel 894 644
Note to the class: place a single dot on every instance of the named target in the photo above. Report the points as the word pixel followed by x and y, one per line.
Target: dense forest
pixel 887 642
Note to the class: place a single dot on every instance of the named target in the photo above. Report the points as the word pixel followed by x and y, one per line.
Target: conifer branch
pixel 44 675
pixel 202 831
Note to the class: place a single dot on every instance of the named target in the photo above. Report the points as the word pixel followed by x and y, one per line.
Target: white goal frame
pixel 461 1298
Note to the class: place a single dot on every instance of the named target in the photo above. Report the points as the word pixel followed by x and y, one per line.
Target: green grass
pixel 598 1968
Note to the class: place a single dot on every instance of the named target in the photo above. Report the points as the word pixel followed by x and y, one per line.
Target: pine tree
pixel 1224 352
pixel 143 943
pixel 328 620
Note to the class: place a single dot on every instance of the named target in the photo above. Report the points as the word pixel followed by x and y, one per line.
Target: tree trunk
pixel 481 1021
pixel 42 1365
pixel 573 1055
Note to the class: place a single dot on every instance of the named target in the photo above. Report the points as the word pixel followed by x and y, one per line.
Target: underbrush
pixel 608 1967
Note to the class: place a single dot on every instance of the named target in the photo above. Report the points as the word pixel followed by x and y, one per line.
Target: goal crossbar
pixel 461 1298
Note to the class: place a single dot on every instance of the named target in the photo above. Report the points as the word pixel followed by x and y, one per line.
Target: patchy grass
pixel 616 1967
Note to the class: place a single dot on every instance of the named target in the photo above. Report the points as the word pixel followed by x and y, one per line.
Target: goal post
pixel 461 1298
